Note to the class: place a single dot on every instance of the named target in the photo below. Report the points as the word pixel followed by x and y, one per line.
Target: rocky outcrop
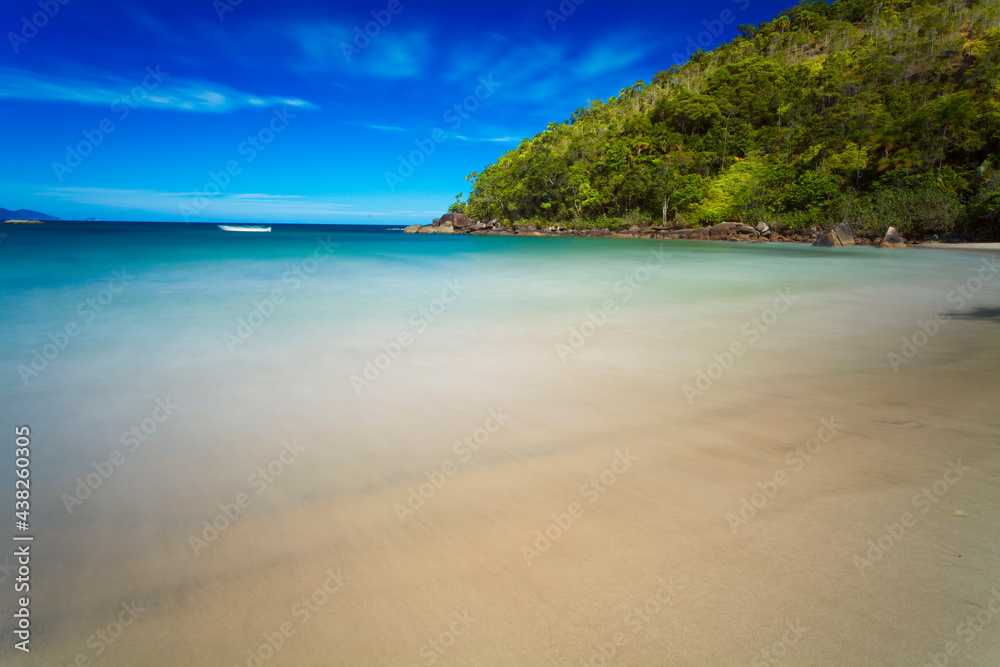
pixel 458 223
pixel 451 223
pixel 838 237
pixel 892 239
pixel 456 220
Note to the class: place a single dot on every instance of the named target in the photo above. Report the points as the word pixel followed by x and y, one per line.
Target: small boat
pixel 244 228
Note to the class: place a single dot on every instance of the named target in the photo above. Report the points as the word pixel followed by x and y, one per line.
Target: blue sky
pixel 250 110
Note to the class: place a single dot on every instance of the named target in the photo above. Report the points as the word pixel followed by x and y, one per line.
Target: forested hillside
pixel 871 113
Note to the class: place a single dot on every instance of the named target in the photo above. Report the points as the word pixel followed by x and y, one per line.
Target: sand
pixel 650 573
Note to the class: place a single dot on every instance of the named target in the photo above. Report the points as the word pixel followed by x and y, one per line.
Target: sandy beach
pixel 657 495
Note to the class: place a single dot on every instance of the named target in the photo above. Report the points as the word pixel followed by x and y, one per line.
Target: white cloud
pixel 153 87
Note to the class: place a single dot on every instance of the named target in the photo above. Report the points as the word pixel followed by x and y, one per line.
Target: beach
pixel 495 451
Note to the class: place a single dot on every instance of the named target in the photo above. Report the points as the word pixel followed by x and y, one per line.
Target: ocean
pixel 330 445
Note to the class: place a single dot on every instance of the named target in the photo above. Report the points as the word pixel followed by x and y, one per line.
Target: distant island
pixel 24 214
pixel 871 114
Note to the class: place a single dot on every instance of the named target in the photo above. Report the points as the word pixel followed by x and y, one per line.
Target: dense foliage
pixel 873 113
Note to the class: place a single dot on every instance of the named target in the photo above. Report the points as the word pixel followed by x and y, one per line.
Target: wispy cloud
pixel 330 47
pixel 156 87
pixel 609 57
pixel 384 128
pixel 496 139
pixel 230 206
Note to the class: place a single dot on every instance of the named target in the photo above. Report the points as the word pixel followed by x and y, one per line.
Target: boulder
pixel 427 229
pixel 444 228
pixel 844 234
pixel 413 229
pixel 837 237
pixel 699 233
pixel 436 222
pixel 762 227
pixel 892 239
pixel 723 229
pixel 456 220
pixel 726 230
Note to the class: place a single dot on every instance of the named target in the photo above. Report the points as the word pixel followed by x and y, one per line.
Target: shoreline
pixel 726 231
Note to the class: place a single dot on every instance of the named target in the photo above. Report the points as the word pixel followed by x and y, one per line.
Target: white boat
pixel 244 228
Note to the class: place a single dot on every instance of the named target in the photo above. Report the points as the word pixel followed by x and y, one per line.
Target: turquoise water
pixel 376 351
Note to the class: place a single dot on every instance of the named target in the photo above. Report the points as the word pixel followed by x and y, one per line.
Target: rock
pixel 837 237
pixel 844 234
pixel 726 230
pixel 699 233
pixel 892 239
pixel 444 228
pixel 456 220
pixel 427 229
pixel 413 229
pixel 762 227
pixel 436 222
pixel 723 229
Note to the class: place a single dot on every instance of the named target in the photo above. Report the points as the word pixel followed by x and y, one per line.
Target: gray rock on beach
pixel 837 237
pixel 892 239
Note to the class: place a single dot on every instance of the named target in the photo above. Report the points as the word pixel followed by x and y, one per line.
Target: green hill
pixel 871 113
